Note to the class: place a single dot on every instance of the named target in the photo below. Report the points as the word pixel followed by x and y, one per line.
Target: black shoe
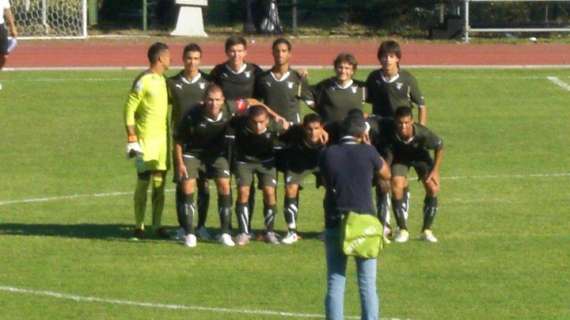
pixel 162 233
pixel 138 234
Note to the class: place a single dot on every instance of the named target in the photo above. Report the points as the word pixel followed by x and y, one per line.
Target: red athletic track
pixel 128 53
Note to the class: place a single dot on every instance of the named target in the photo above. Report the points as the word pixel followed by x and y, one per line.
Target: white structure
pixel 190 21
pixel 468 29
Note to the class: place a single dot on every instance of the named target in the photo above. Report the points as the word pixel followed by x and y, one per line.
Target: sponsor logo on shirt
pixel 179 86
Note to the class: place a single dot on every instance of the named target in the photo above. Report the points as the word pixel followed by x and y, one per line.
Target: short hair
pixel 191 47
pixel 345 57
pixel 234 40
pixel 279 41
pixel 354 125
pixel 311 118
pixel 389 46
pixel 213 88
pixel 402 112
pixel 255 111
pixel 155 50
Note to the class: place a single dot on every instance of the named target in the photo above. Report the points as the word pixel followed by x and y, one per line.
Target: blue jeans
pixel 336 279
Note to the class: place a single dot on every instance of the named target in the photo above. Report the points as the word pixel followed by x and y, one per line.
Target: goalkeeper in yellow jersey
pixel 146 121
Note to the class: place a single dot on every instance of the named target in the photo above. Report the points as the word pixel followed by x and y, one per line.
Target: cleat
pixel 180 234
pixel 162 233
pixel 203 233
pixel 386 234
pixel 226 240
pixel 138 234
pixel 190 241
pixel 427 235
pixel 402 236
pixel 271 237
pixel 290 238
pixel 242 239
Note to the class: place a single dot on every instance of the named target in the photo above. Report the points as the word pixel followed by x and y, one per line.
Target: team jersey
pixel 282 95
pixel 201 135
pixel 423 139
pixel 300 153
pixel 387 95
pixel 250 146
pixel 333 102
pixel 185 93
pixel 380 129
pixel 236 85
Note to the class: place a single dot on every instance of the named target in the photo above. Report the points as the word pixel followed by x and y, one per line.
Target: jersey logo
pixel 268 83
pixel 202 85
pixel 138 87
pixel 225 75
pixel 179 86
pixel 399 85
pixel 202 125
pixel 290 84
pixel 354 89
pixel 247 74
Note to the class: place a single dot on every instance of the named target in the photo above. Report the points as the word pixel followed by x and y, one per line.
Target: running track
pixel 131 53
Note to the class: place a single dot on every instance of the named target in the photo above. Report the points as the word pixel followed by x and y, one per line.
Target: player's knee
pixel 243 194
pixel 224 186
pixel 158 179
pixel 432 189
pixel 291 190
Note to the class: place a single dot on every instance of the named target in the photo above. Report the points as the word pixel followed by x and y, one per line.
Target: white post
pixel 44 16
pixel 190 21
pixel 84 22
pixel 466 31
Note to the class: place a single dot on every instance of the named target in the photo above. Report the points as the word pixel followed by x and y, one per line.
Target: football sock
pixel 140 202
pixel 189 211
pixel 399 213
pixel 157 200
pixel 224 210
pixel 251 203
pixel 407 200
pixel 203 203
pixel 243 217
pixel 179 198
pixel 430 210
pixel 269 216
pixel 383 208
pixel 290 211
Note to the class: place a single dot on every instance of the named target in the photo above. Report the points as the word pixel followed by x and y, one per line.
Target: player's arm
pixel 434 174
pixel 279 119
pixel 417 98
pixel 180 166
pixel 131 106
pixel 9 17
pixel 384 172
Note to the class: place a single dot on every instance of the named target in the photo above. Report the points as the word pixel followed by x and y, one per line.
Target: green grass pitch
pixel 503 225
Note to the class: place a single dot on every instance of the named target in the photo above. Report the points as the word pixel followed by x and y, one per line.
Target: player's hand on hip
pixel 433 177
pixel 182 172
pixel 134 150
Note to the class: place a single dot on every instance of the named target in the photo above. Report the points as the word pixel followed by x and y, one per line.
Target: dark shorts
pixel 214 167
pixel 421 162
pixel 3 39
pixel 265 171
pixel 297 177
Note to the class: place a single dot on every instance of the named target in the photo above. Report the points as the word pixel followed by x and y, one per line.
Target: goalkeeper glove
pixel 133 148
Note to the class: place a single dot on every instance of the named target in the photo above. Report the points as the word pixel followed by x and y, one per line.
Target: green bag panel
pixel 362 235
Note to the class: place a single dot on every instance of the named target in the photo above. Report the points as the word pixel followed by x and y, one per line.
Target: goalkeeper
pixel 146 121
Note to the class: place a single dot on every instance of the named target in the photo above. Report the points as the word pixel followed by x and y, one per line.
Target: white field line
pixel 559 82
pixel 79 298
pixel 125 193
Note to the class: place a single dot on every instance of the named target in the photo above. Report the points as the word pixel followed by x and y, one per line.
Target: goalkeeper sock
pixel 140 202
pixel 189 210
pixel 269 216
pixel 290 212
pixel 157 200
pixel 203 203
pixel 225 212
pixel 399 213
pixel 430 210
pixel 243 217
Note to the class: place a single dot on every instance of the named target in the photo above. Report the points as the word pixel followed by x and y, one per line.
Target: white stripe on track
pixel 559 82
pixel 79 298
pixel 116 194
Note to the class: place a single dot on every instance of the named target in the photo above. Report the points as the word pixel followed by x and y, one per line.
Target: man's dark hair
pixel 155 50
pixel 310 118
pixel 233 40
pixel 255 111
pixel 402 112
pixel 346 57
pixel 354 124
pixel 279 41
pixel 387 47
pixel 191 47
